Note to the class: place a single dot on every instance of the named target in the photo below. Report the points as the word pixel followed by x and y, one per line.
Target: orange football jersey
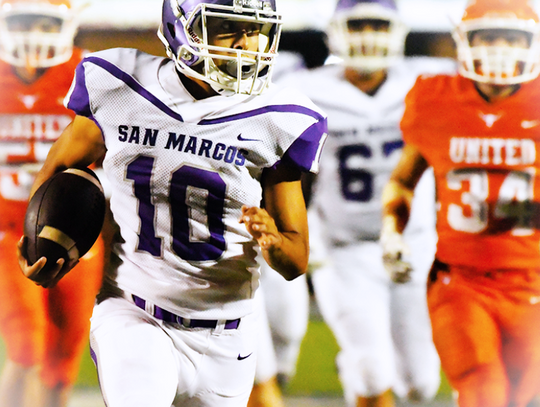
pixel 32 117
pixel 486 162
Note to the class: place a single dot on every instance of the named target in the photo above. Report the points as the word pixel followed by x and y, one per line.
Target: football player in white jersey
pixel 193 143
pixel 382 327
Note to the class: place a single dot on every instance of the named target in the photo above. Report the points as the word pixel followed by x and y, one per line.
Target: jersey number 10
pixel 196 197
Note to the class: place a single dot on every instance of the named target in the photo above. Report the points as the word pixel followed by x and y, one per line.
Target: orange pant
pixel 486 327
pixel 45 327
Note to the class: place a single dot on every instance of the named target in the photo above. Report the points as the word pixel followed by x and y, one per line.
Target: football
pixel 64 217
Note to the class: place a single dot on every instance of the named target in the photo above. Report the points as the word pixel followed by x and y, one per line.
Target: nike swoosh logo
pixel 244 357
pixel 240 138
pixel 529 124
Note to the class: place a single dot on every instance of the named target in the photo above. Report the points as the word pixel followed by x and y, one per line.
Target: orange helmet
pixel 504 9
pixel 36 33
pixel 498 64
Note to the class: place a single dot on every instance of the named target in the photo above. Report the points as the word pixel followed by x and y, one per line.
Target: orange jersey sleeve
pixel 486 168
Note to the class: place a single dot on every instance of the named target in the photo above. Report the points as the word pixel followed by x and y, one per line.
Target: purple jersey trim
pixel 79 100
pixel 263 110
pixel 129 81
pixel 93 356
pixel 303 152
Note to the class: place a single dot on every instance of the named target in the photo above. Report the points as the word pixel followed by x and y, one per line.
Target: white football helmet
pixel 184 32
pixel 498 64
pixel 367 50
pixel 36 33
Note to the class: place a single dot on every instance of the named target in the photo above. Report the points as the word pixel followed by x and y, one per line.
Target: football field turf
pixel 315 384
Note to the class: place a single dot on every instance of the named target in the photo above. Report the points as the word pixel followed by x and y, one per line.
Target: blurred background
pixel 111 23
pixel 133 23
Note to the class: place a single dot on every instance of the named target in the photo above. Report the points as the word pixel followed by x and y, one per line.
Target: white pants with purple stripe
pixel 143 362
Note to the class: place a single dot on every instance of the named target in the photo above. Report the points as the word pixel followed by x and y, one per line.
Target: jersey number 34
pixel 514 200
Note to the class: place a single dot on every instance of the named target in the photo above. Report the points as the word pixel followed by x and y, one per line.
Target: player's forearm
pixel 396 200
pixel 398 193
pixel 80 145
pixel 290 258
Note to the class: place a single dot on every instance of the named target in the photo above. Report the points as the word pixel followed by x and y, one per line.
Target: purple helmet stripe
pixel 183 31
pixel 133 84
pixel 173 29
pixel 189 5
pixel 349 4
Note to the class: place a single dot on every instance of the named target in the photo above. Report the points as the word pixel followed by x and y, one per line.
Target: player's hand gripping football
pixel 261 226
pixel 46 278
pixel 395 252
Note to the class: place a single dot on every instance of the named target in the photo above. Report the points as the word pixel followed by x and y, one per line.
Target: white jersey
pixel 364 144
pixel 180 170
